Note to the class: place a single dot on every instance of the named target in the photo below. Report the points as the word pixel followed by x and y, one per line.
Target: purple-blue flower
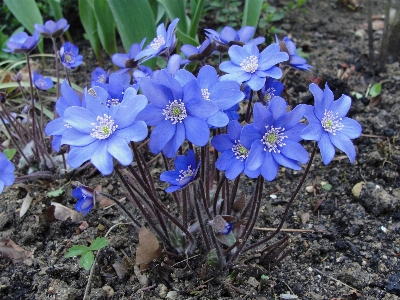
pixel 177 113
pixel 164 43
pixel 229 36
pixel 128 61
pixel 223 93
pixel 99 76
pixel 41 82
pixel 273 138
pixel 328 124
pixel 270 89
pixel 69 56
pixel 52 29
pixel 200 53
pixel 296 61
pixel 22 42
pixel 186 168
pixel 99 132
pixel 6 172
pixel 57 127
pixel 85 198
pixel 250 66
pixel 233 154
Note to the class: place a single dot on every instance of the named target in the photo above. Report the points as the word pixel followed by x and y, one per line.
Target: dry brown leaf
pixel 239 204
pixel 84 225
pixel 62 213
pixel 14 252
pixel 26 203
pixel 149 248
pixel 120 269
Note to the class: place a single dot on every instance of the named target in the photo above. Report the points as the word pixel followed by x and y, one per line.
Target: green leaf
pixel 76 250
pixel 327 186
pixel 56 8
pixel 89 22
pixel 105 26
pixel 87 260
pixel 134 20
pixel 55 193
pixel 177 9
pixel 27 13
pixel 98 243
pixel 375 90
pixel 196 14
pixel 251 13
pixel 9 153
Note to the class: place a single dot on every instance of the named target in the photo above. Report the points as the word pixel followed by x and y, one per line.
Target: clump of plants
pixel 213 128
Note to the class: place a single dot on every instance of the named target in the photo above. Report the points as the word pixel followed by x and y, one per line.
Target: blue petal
pixel 128 109
pixel 262 117
pixel 245 33
pixel 220 119
pixel 326 147
pixel 256 155
pixel 207 77
pixel 351 128
pixel 230 67
pixel 240 76
pixel 234 130
pixel 249 135
pixel 183 76
pixel 234 168
pixel 222 142
pixel 151 114
pixel 78 155
pixel 295 132
pixel 74 137
pixel 341 106
pixel 228 34
pixel 286 162
pixel 292 118
pixel 166 79
pixel 170 177
pixel 103 160
pixel 256 83
pixel 191 91
pixel 226 98
pixel 136 132
pixel 157 94
pixel 319 108
pixel 277 106
pixel 312 132
pixel 237 54
pixel 271 56
pixel 342 142
pixel 80 118
pixel 269 168
pixel 160 136
pixel 197 131
pixel 224 159
pixel 120 150
pixel 201 108
pixel 309 114
pixel 295 151
pixel 273 72
pixel 175 142
pixel 55 127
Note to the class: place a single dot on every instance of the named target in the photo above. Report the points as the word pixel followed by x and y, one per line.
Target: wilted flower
pixel 296 61
pixel 250 66
pixel 233 154
pixel 99 132
pixel 52 29
pixel 176 112
pixel 69 56
pixel 86 199
pixel 6 172
pixel 229 36
pixel 328 124
pixel 165 42
pixel 22 42
pixel 41 82
pixel 273 138
pixel 185 172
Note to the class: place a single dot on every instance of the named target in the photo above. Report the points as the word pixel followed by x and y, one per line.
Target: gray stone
pixel 376 200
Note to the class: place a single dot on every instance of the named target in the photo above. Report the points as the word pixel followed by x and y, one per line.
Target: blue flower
pixel 57 127
pixel 100 132
pixel 273 138
pixel 296 61
pixel 223 93
pixel 86 199
pixel 6 172
pixel 185 172
pixel 328 124
pixel 176 112
pixel 128 61
pixel 99 76
pixel 228 37
pixel 69 56
pixel 164 43
pixel 270 89
pixel 41 82
pixel 200 53
pixel 22 42
pixel 52 29
pixel 233 154
pixel 248 65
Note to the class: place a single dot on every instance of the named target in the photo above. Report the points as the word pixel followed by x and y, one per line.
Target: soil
pixel 344 236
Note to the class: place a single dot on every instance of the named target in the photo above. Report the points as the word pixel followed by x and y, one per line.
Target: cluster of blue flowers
pixel 178 106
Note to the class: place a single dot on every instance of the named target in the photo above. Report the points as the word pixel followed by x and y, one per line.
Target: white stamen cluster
pixel 104 129
pixel 240 151
pixel 205 93
pixel 69 57
pixel 269 94
pixel 68 125
pixel 250 64
pixel 273 139
pixel 185 173
pixel 175 111
pixel 331 122
pixel 101 78
pixel 112 102
pixel 157 42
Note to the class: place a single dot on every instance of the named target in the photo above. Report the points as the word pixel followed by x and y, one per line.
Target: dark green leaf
pixel 251 13
pixel 76 250
pixel 55 193
pixel 105 26
pixel 196 15
pixel 98 243
pixel 177 9
pixel 87 260
pixel 375 90
pixel 327 186
pixel 89 23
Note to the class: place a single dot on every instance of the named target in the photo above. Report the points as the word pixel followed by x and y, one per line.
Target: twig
pixel 337 280
pixel 290 229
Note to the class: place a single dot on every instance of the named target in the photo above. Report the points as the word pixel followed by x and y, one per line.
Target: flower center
pixel 269 94
pixel 175 111
pixel 205 93
pixel 240 151
pixel 331 122
pixel 273 138
pixel 104 129
pixel 250 64
pixel 157 42
pixel 112 102
pixel 41 82
pixel 185 173
pixel 69 57
pixel 101 78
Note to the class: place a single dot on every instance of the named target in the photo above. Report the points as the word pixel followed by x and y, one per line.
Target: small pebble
pixel 384 229
pixel 310 189
pixel 109 290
